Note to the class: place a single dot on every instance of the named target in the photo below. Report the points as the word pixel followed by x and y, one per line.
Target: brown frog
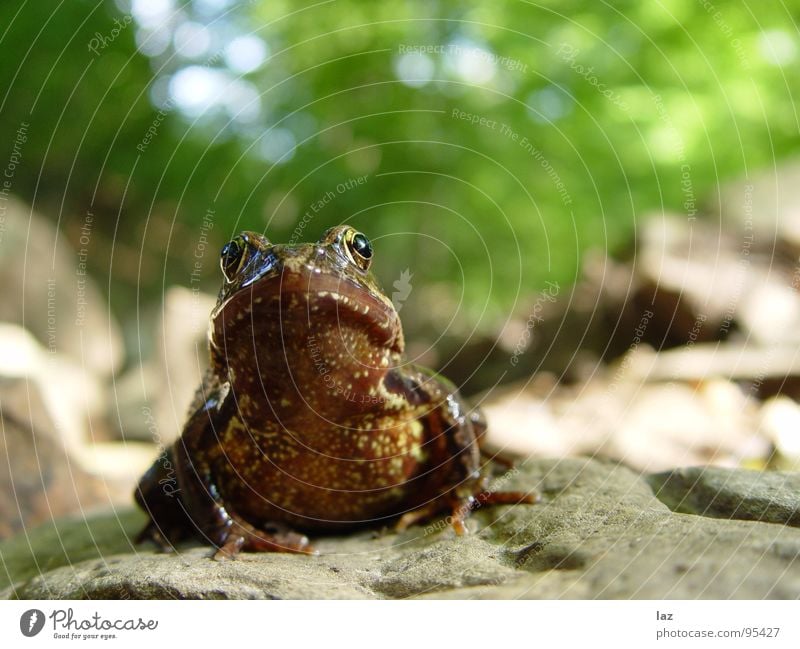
pixel 308 419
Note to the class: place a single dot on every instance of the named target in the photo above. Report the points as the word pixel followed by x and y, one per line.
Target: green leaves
pixel 588 115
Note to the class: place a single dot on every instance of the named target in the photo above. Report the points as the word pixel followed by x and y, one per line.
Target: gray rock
pixel 767 202
pixel 43 480
pixel 734 494
pixel 49 292
pixel 153 397
pixel 49 465
pixel 600 532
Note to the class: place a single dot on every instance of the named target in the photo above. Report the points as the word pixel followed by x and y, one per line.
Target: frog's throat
pixel 310 295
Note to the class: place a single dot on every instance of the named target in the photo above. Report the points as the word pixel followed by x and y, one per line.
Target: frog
pixel 310 419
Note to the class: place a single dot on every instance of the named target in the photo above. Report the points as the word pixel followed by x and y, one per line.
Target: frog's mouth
pixel 298 299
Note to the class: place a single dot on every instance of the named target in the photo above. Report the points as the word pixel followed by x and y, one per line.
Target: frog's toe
pixel 506 498
pixel 281 542
pixel 419 515
pixel 462 510
pixel 276 538
pixel 230 549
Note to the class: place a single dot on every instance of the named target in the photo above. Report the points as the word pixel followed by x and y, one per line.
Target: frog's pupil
pixel 362 246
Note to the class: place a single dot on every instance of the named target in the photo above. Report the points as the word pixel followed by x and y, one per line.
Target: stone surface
pixel 68 399
pixel 153 397
pixel 772 497
pixel 619 414
pixel 51 463
pixel 768 202
pixel 41 481
pixel 780 423
pixel 48 290
pixel 600 532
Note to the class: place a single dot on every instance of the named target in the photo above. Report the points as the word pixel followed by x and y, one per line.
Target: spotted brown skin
pixel 309 419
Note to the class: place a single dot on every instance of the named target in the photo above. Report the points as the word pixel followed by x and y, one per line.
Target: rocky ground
pixel 601 531
pixel 681 354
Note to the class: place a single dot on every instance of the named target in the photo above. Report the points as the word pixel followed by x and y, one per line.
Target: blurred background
pixel 588 214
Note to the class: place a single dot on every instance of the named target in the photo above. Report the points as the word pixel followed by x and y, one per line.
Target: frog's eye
pixel 230 259
pixel 359 249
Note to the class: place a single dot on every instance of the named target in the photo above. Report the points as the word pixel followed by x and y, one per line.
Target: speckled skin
pixel 309 419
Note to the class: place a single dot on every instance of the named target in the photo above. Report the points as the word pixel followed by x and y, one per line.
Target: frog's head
pixel 277 297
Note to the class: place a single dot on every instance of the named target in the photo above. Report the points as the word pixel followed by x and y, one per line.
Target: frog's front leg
pixel 159 496
pixel 271 538
pixel 195 454
pixel 201 509
pixel 454 437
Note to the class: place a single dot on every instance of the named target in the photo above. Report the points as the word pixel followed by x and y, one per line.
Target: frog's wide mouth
pixel 286 296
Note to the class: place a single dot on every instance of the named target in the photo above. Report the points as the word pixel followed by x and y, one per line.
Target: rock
pixel 780 423
pixel 744 363
pixel 52 295
pixel 600 532
pixel 39 481
pixel 619 415
pixel 71 398
pixel 766 205
pixel 771 497
pixel 704 282
pixel 154 397
pixel 687 290
pixel 183 334
pixel 49 466
pixel 68 540
pixel 665 425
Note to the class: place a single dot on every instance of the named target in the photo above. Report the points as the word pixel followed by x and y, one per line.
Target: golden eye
pixel 359 249
pixel 231 257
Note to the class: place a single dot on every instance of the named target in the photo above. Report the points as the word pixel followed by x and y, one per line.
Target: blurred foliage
pixel 633 106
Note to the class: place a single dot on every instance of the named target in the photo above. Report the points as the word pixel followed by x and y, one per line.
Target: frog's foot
pixel 416 516
pixel 275 538
pixel 165 533
pixel 464 508
pixel 461 508
pixel 498 458
pixel 505 498
pixel 153 533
